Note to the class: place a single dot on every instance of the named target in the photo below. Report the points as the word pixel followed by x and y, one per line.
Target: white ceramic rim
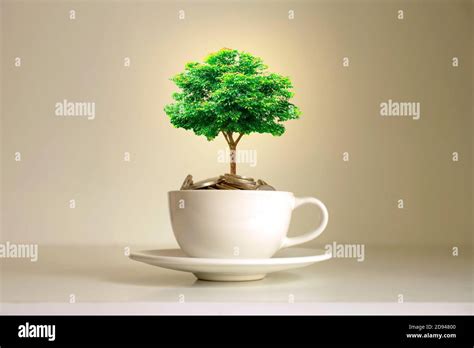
pixel 323 255
pixel 234 191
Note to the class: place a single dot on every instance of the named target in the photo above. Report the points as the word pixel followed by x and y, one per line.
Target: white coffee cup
pixel 237 223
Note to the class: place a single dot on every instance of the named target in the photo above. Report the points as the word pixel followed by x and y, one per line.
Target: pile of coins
pixel 226 182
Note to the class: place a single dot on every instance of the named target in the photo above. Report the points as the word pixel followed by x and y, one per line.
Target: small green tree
pixel 231 93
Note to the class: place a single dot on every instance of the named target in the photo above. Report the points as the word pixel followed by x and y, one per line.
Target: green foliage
pixel 231 92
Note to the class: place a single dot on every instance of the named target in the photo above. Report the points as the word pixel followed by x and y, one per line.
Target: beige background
pixel 125 202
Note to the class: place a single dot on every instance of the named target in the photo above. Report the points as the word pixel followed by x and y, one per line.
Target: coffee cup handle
pixel 290 241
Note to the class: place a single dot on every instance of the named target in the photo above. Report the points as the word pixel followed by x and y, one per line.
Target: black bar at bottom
pixel 224 330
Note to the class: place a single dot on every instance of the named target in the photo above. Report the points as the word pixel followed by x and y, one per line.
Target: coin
pixel 242 186
pixel 188 181
pixel 265 188
pixel 240 182
pixel 238 177
pixel 232 181
pixel 204 183
pixel 224 186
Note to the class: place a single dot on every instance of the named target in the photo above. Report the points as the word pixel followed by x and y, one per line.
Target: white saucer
pixel 231 269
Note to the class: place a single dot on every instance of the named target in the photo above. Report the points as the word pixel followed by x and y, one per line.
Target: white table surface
pixel 104 281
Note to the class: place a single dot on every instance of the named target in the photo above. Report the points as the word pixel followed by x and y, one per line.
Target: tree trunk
pixel 233 149
pixel 233 154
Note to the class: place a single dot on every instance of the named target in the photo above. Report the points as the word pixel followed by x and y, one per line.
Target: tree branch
pixel 231 139
pixel 238 139
pixel 226 138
